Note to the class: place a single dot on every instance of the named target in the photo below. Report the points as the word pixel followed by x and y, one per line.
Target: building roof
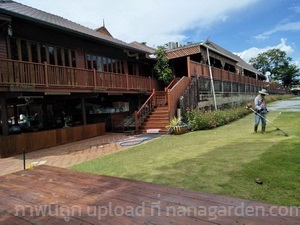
pixel 240 61
pixel 143 46
pixel 183 51
pixel 19 10
pixel 195 49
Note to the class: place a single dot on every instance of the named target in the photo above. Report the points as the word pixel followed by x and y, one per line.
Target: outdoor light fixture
pixel 34 96
pixel 57 93
pixel 9 30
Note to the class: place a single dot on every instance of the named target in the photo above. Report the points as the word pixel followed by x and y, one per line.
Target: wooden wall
pixel 3 51
pixel 14 144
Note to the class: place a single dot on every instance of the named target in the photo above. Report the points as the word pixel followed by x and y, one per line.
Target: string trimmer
pixel 249 106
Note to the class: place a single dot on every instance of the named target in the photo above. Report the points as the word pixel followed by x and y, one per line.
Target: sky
pixel 244 27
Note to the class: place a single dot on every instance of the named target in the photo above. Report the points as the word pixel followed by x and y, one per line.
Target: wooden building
pixel 61 81
pixel 58 73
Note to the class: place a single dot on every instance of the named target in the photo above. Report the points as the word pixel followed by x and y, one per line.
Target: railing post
pixel 169 103
pixel 46 73
pixel 136 121
pixel 95 78
pixel 154 97
pixel 127 81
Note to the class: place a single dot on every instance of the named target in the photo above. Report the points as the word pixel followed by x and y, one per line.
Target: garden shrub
pixel 208 119
pixel 203 120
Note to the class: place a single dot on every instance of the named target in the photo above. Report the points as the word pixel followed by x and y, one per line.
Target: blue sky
pixel 245 27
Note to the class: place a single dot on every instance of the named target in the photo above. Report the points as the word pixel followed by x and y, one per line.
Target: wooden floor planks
pixel 52 195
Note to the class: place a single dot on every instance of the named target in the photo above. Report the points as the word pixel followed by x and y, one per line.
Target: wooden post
pixel 127 81
pixel 95 78
pixel 46 74
pixel 136 121
pixel 4 116
pixel 154 99
pixel 83 111
pixel 169 103
pixel 189 66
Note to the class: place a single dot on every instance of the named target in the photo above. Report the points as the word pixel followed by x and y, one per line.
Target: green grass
pixel 225 160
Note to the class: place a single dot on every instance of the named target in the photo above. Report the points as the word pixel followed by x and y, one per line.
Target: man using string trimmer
pixel 261 110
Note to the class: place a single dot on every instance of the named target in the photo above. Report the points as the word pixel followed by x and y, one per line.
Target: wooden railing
pixel 145 110
pixel 172 83
pixel 202 70
pixel 175 93
pixel 18 73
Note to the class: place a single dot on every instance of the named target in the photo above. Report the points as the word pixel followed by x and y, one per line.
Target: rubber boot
pixel 263 129
pixel 255 128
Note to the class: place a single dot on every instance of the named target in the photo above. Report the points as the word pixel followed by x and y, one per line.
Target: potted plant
pixel 176 126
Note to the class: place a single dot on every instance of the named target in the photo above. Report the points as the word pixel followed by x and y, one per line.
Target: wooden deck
pixel 51 195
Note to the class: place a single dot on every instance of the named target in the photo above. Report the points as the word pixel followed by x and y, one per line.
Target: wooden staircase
pixel 155 112
pixel 157 119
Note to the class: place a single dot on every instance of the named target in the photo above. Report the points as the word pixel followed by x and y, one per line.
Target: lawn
pixel 225 160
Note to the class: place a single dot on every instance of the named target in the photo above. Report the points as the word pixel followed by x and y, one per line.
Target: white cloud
pixel 253 52
pixel 153 21
pixel 295 26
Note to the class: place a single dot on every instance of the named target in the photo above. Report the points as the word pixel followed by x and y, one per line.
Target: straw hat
pixel 263 92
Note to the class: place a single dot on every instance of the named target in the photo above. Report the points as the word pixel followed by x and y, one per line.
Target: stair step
pixel 159 115
pixel 154 124
pixel 160 112
pixel 158 119
pixel 144 131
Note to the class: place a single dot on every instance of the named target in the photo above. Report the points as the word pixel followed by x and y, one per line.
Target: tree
pixel 162 67
pixel 278 64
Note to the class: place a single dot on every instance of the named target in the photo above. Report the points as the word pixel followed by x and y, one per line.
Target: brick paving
pixel 68 154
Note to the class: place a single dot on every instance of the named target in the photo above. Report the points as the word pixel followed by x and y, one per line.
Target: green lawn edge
pixel 225 160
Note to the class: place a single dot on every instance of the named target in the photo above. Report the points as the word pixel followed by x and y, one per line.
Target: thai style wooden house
pixel 69 82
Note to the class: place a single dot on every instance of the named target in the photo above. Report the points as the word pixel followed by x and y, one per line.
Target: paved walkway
pixel 68 154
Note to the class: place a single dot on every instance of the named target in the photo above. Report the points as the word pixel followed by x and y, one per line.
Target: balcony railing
pixel 18 73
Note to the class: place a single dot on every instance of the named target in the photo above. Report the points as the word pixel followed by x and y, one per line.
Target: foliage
pixel 162 67
pixel 203 120
pixel 176 126
pixel 278 64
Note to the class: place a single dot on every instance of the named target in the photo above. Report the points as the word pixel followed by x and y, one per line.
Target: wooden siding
pixel 14 144
pixel 3 50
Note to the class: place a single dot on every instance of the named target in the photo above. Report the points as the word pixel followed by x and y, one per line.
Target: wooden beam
pixel 4 116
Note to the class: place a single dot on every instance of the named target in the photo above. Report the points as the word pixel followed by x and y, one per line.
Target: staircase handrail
pixel 171 84
pixel 145 110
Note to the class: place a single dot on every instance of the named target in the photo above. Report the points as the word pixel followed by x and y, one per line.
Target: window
pixel 13 49
pixel 104 64
pixel 43 53
pixel 94 62
pixel 51 55
pixel 73 55
pixel 88 61
pixel 59 57
pixel 34 52
pixel 66 56
pixel 24 51
pixel 99 62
